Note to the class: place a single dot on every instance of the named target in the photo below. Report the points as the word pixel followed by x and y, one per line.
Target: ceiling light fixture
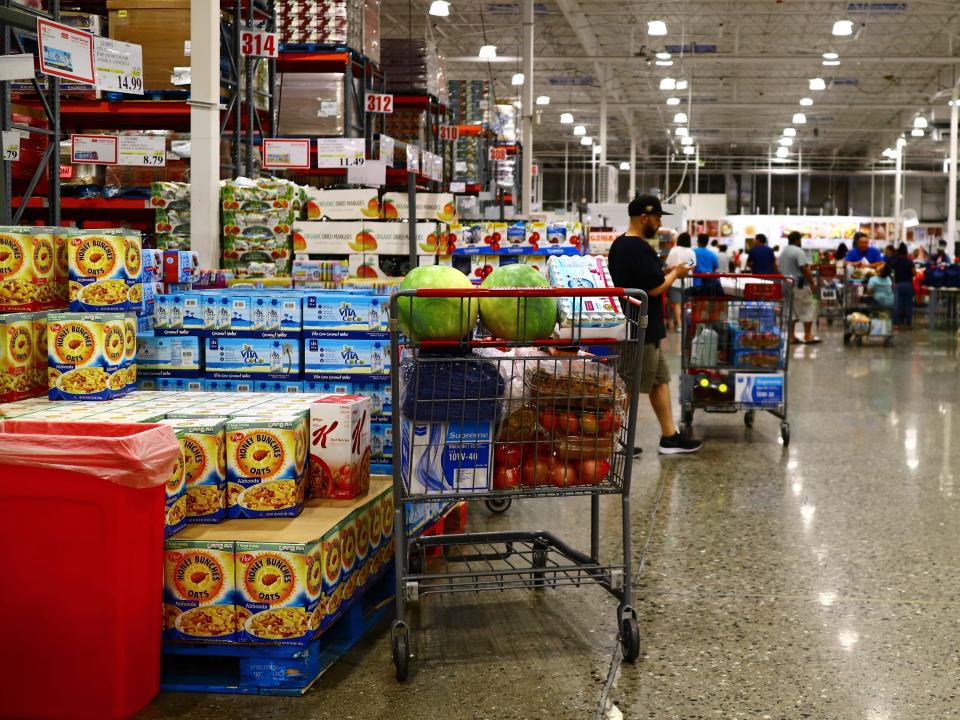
pixel 687 150
pixel 889 153
pixel 579 130
pixel 831 63
pixel 488 52
pixel 843 28
pixel 786 141
pixel 817 84
pixel 566 119
pixel 830 56
pixel 663 56
pixel 668 84
pixel 806 102
pixel 783 153
pixel 586 140
pixel 596 149
pixel 543 100
pixel 517 79
pixel 440 8
pixel 681 84
pixel 916 132
pixel 665 63
pixel 789 132
pixel 680 118
pixel 624 166
pixel 920 122
pixel 686 140
pixel 656 27
pixel 799 119
pixel 673 101
pixel 681 132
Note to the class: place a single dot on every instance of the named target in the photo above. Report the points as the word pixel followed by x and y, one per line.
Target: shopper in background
pixel 706 259
pixel 880 288
pixel 715 247
pixel 635 264
pixel 724 261
pixel 940 257
pixel 888 253
pixel 760 259
pixel 841 252
pixel 680 254
pixel 794 263
pixel 863 253
pixel 903 272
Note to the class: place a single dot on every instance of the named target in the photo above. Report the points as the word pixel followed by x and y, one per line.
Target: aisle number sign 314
pixel 258 44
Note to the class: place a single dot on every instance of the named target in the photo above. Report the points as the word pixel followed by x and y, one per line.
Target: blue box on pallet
pixel 380 394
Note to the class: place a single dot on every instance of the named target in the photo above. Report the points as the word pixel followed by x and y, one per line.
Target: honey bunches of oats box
pixel 266 459
pixel 199 592
pixel 204 467
pixel 85 356
pixel 176 502
pixel 279 589
pixel 17 341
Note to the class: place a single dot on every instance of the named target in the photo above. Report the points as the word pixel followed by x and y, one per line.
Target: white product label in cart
pixel 446 457
pixel 758 389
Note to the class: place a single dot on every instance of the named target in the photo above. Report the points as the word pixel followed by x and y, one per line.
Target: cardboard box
pixel 203 445
pixel 199 583
pixel 161 27
pixel 446 457
pixel 85 356
pixel 339 447
pixel 176 488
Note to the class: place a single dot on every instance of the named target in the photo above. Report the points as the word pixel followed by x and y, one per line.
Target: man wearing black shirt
pixel 635 264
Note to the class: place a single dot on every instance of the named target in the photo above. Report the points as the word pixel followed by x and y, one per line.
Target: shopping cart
pixel 830 299
pixel 863 318
pixel 488 419
pixel 734 347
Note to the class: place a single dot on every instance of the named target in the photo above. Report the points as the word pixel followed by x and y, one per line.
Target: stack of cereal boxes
pixel 91 353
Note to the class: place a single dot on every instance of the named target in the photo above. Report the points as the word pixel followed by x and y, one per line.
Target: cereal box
pixel 279 587
pixel 97 271
pixel 204 467
pixel 265 466
pixel 339 447
pixel 130 350
pixel 199 591
pixel 17 356
pixel 176 503
pixel 252 356
pixel 85 351
pixel 26 266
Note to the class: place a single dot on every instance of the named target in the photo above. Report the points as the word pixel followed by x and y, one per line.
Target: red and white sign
pixel 259 44
pixel 534 170
pixel 94 149
pixel 65 53
pixel 377 103
pixel 280 154
pixel 498 154
pixel 449 132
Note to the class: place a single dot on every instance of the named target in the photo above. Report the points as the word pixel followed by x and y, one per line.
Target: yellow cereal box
pixel 265 466
pixel 97 271
pixel 40 353
pixel 130 350
pixel 17 356
pixel 280 586
pixel 85 351
pixel 176 492
pixel 199 582
pixel 61 273
pixel 205 467
pixel 18 292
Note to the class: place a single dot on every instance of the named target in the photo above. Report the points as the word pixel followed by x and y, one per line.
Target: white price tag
pixel 11 145
pixel 16 67
pixel 438 168
pixel 65 52
pixel 387 146
pixel 372 172
pixel 259 44
pixel 340 152
pixel 286 153
pixel 458 187
pixel 413 158
pixel 143 150
pixel 118 65
pixel 94 149
pixel 377 103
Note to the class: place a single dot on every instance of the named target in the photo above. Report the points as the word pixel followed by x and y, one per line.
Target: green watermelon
pixel 436 318
pixel 518 319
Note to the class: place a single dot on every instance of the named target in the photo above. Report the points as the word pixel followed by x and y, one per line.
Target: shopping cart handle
pixel 518 292
pixel 738 275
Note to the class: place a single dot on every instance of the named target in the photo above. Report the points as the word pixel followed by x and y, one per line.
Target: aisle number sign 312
pixel 378 103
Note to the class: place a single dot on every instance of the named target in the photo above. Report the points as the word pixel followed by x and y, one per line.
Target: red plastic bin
pixel 81 537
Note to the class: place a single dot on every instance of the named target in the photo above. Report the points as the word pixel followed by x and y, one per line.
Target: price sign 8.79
pixel 377 103
pixel 258 44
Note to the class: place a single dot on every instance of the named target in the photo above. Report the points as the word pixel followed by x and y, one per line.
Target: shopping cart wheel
pixel 846 338
pixel 630 639
pixel 499 505
pixel 785 432
pixel 401 652
pixel 887 342
pixel 858 340
pixel 748 417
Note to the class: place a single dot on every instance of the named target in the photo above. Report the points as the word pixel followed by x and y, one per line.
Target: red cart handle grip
pixel 745 276
pixel 515 292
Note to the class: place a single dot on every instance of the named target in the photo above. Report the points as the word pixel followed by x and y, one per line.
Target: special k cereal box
pixel 204 467
pixel 199 591
pixel 85 355
pixel 265 463
pixel 17 356
pixel 96 265
pixel 279 589
pixel 339 447
pixel 176 503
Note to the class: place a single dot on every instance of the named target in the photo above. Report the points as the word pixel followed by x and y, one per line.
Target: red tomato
pixel 594 472
pixel 536 472
pixel 506 478
pixel 608 422
pixel 567 422
pixel 548 420
pixel 506 456
pixel 562 474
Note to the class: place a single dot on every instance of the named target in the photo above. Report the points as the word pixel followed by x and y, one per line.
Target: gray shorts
pixel 675 295
pixel 654 370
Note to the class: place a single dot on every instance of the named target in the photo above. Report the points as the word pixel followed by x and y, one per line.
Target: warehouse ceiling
pixel 748 63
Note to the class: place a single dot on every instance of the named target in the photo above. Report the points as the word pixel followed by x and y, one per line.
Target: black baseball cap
pixel 645 205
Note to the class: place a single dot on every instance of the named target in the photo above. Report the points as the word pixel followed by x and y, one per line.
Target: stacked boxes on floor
pixel 172 222
pixel 467 105
pixel 256 222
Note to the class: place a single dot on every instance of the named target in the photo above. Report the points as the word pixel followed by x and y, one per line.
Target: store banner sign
pixel 65 53
pixel 372 172
pixel 118 66
pixel 286 153
pixel 413 158
pixel 759 389
pixel 142 150
pixel 340 152
pixel 94 149
pixel 11 145
pixel 387 146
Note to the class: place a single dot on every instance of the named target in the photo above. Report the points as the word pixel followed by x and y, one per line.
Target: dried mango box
pixel 85 356
pixel 203 445
pixel 199 591
pixel 266 462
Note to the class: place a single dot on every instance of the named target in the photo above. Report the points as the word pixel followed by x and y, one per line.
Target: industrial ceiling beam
pixel 715 58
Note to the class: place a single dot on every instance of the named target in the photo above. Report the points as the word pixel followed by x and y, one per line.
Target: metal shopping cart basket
pixel 862 317
pixel 734 347
pixel 484 418
pixel 830 305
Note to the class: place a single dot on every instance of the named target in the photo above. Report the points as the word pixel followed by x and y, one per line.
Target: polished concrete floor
pixel 817 581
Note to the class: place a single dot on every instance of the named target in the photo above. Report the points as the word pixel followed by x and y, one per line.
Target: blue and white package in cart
pixel 759 389
pixel 446 457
